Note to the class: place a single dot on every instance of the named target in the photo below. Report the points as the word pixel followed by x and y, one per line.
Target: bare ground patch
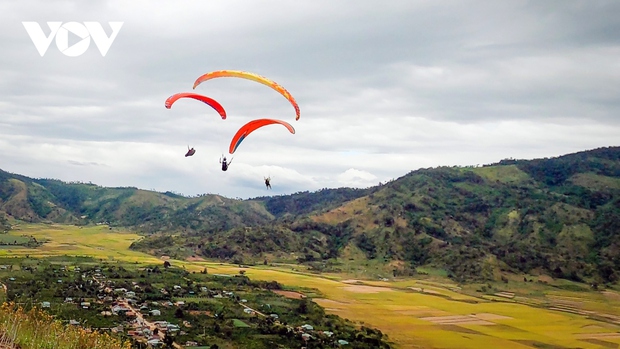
pixel 397 264
pixel 491 317
pixel 289 294
pixel 367 289
pixel 545 278
pixel 505 294
pixel 352 281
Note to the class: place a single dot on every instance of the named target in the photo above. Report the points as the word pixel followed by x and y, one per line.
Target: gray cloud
pixel 383 89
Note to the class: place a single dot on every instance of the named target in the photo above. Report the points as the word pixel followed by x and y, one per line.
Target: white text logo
pixel 61 32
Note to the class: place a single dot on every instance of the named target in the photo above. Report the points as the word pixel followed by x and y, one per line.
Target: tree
pixel 168 340
pixel 303 307
pixel 167 264
pixel 178 313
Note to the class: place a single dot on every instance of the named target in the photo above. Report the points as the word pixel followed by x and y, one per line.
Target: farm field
pixel 69 240
pixel 414 313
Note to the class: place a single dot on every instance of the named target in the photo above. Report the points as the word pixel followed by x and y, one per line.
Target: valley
pixel 515 254
pixel 425 311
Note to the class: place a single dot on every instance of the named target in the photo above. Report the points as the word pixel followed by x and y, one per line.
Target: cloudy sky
pixel 384 87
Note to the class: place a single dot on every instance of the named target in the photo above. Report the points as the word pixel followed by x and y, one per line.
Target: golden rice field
pixel 95 241
pixel 413 313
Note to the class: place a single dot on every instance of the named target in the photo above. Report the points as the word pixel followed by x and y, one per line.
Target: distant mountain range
pixel 559 216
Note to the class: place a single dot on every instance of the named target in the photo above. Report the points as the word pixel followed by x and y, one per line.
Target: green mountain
pixel 50 200
pixel 558 216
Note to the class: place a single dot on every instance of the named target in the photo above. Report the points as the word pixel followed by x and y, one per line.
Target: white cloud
pixel 357 179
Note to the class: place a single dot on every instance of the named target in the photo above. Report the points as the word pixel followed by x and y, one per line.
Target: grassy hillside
pixel 36 329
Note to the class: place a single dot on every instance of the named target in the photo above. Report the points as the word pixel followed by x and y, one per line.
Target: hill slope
pixel 40 200
pixel 559 216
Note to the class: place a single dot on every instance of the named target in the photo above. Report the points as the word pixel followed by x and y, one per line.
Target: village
pixel 197 310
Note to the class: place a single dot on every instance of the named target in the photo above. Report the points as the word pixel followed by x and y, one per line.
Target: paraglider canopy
pixel 250 76
pixel 250 127
pixel 209 101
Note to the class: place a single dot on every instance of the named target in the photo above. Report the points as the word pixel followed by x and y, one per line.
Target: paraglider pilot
pixel 190 152
pixel 224 163
pixel 267 184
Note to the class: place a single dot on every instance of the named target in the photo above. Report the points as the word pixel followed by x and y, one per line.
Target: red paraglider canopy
pixel 250 127
pixel 210 101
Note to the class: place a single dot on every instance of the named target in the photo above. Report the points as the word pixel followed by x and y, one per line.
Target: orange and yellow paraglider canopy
pixel 250 76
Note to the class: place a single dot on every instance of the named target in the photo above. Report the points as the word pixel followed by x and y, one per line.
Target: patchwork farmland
pixel 414 313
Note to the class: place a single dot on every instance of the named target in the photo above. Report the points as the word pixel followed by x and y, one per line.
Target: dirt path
pixel 256 311
pixel 151 326
pixel 148 324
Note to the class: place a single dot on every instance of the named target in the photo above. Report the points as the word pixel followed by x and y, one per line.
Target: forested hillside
pixel 559 216
pixel 50 200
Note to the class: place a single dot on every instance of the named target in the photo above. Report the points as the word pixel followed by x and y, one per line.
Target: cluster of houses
pixel 151 333
pixel 308 332
pixel 124 302
pixel 142 330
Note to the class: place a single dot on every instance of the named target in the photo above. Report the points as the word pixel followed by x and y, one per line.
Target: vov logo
pixel 61 32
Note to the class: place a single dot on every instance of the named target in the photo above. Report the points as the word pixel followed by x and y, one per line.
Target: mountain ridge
pixel 558 215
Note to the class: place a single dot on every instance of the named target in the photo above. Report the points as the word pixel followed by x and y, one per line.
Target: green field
pixel 13 239
pixel 239 323
pixel 415 313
